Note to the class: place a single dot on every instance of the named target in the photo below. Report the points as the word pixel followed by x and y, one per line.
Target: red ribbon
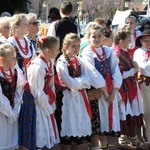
pixel 49 91
pixel 148 54
pixel 86 102
pixel 131 51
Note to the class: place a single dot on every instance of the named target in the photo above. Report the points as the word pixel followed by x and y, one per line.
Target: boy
pixel 64 25
pixel 142 57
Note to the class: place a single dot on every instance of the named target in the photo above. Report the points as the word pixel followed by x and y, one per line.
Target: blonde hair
pixel 5 49
pixel 88 27
pixel 121 34
pixel 16 20
pixel 30 16
pixel 95 27
pixel 4 20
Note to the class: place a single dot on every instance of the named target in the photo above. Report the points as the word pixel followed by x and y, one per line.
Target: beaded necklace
pixel 24 50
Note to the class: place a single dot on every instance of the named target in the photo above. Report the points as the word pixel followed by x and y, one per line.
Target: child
pixel 84 40
pixel 4 28
pixel 11 85
pixel 19 25
pixel 131 22
pixel 76 111
pixel 141 56
pixel 103 73
pixel 40 76
pixel 129 91
pixel 108 38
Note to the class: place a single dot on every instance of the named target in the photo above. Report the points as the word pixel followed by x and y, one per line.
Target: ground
pixel 113 145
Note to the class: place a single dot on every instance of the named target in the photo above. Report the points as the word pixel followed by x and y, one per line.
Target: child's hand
pixel 135 65
pixel 105 92
pixel 112 95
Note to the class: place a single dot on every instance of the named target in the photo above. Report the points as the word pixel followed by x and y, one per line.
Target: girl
pixel 40 76
pixel 108 37
pixel 11 85
pixel 84 40
pixel 131 24
pixel 76 112
pixel 19 26
pixel 129 91
pixel 143 42
pixel 104 74
pixel 4 28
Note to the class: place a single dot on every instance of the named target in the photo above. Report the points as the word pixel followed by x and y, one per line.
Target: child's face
pixel 126 42
pixel 96 38
pixel 23 27
pixel 108 41
pixel 131 24
pixel 10 60
pixel 145 41
pixel 5 30
pixel 54 51
pixel 73 48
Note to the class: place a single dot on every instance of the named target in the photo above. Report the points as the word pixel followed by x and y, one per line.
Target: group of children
pixel 29 97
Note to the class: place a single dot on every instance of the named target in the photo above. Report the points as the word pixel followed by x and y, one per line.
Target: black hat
pixel 144 33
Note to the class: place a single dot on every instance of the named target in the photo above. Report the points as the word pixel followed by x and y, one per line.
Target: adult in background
pixel 33 28
pixel 64 25
pixel 145 24
pixel 53 15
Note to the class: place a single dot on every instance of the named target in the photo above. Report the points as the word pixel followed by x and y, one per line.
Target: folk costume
pixel 132 48
pixel 142 57
pixel 24 49
pixel 129 90
pixel 11 89
pixel 76 112
pixel 103 71
pixel 41 82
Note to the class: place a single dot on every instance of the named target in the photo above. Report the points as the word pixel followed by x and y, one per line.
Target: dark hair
pixel 107 32
pixel 121 35
pixel 46 42
pixel 108 23
pixel 145 24
pixel 66 8
pixel 133 16
pixel 54 14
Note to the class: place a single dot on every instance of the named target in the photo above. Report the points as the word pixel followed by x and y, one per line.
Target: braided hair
pixel 70 38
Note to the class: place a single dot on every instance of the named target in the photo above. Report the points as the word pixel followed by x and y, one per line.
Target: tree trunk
pixel 40 8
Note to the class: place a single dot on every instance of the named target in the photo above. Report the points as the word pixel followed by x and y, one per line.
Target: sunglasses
pixel 34 23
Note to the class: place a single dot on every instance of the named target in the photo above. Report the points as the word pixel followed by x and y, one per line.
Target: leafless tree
pixel 40 8
pixel 102 8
